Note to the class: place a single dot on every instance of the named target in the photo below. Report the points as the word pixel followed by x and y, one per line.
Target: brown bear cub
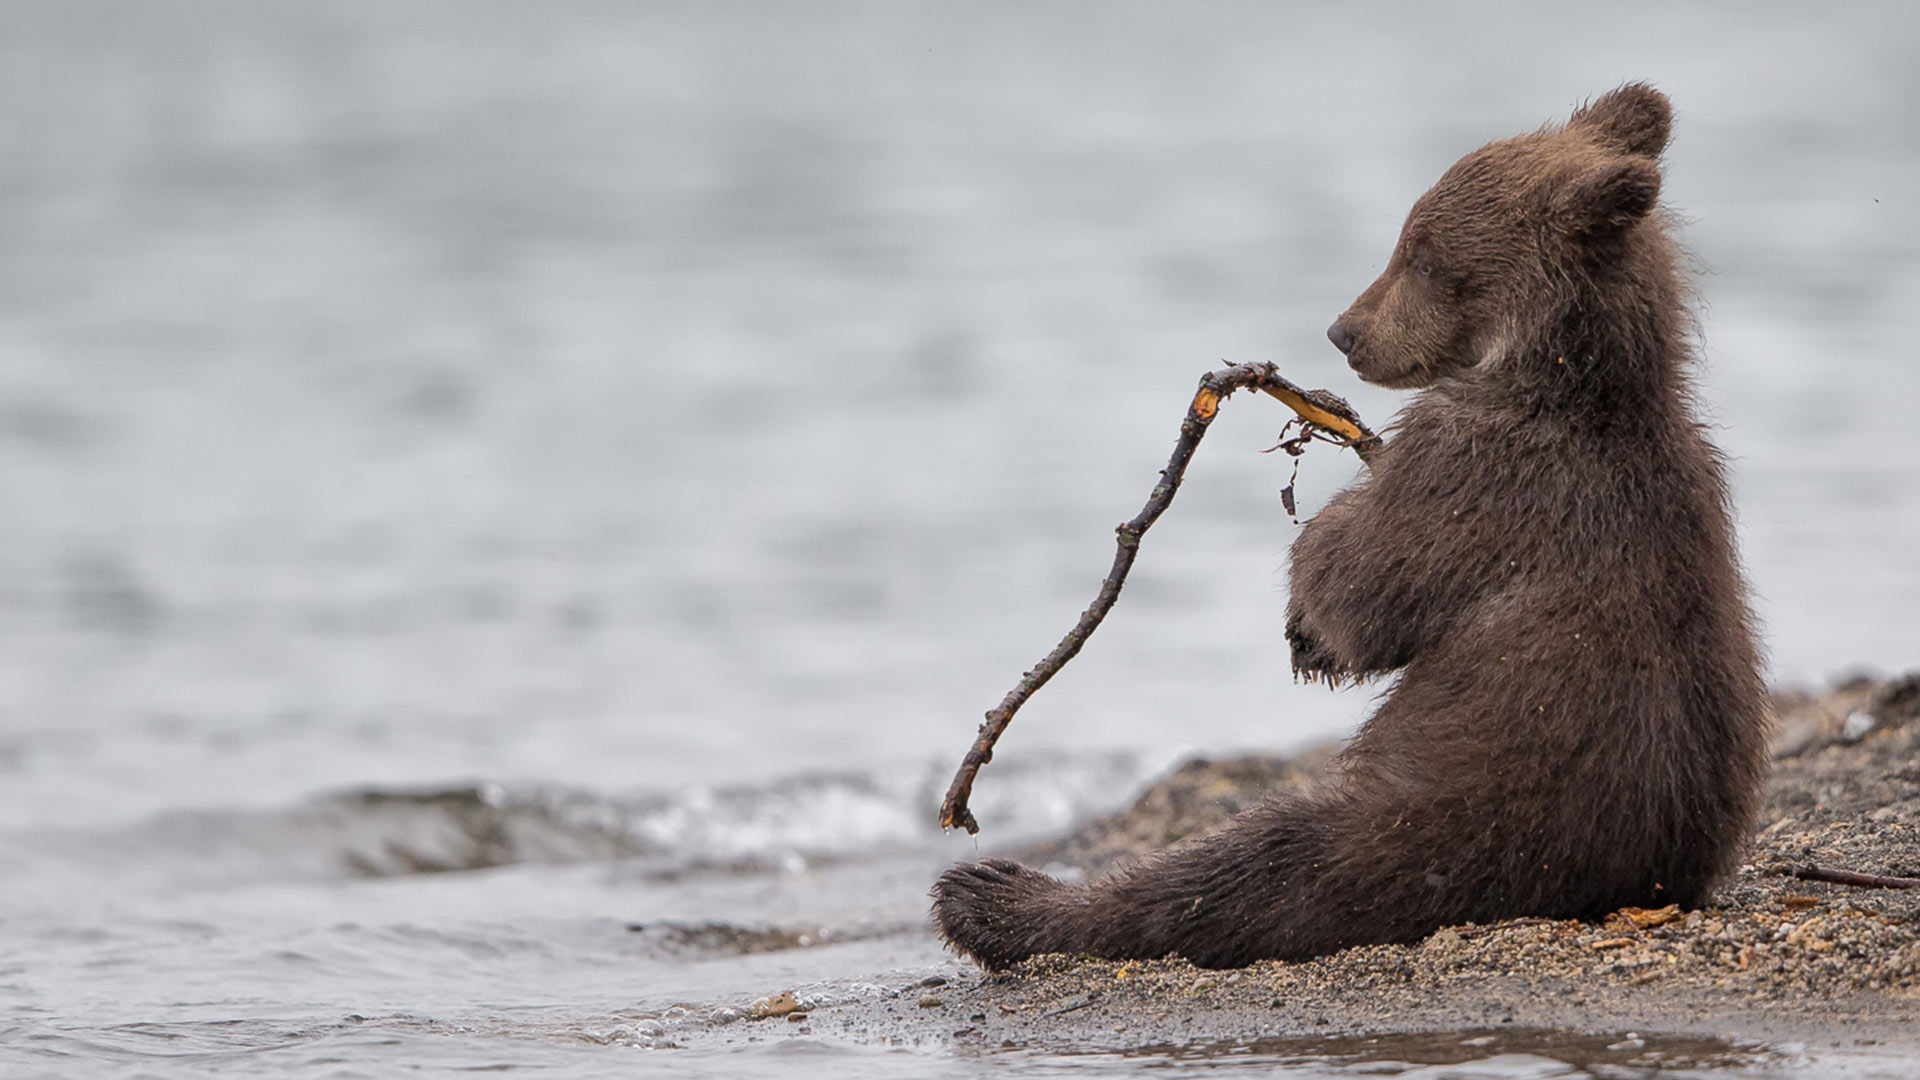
pixel 1542 550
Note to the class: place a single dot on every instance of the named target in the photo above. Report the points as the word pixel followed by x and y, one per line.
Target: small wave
pixel 382 833
pixel 784 826
pixel 731 939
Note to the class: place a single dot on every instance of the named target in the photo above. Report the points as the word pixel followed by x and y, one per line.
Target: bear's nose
pixel 1341 337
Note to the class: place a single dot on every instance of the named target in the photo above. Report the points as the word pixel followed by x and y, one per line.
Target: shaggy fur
pixel 1542 550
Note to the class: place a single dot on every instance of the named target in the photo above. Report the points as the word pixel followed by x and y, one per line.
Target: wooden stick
pixel 1810 872
pixel 1322 413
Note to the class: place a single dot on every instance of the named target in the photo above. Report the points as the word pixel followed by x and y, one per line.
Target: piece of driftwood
pixel 1811 872
pixel 1320 416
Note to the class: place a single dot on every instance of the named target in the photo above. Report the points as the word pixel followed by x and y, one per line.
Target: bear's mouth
pixel 1396 377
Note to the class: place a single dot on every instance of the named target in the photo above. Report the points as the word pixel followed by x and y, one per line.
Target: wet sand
pixel 1775 962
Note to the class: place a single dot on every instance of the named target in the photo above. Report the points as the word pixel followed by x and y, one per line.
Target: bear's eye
pixel 1423 267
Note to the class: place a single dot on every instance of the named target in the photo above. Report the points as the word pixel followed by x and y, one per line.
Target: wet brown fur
pixel 1542 550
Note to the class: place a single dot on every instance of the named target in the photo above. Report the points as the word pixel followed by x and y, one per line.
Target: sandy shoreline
pixel 1774 962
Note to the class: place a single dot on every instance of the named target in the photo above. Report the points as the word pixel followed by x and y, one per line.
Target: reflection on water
pixel 1506 1053
pixel 646 401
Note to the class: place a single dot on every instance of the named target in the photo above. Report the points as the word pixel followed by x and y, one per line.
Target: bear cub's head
pixel 1505 230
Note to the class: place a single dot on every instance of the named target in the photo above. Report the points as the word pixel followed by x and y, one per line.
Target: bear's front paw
pixel 1311 657
pixel 999 912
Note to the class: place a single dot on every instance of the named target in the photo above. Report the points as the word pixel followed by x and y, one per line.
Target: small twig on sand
pixel 1504 924
pixel 1810 872
pixel 1322 414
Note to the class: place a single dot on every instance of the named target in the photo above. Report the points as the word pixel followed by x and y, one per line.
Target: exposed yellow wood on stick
pixel 1314 414
pixel 1206 403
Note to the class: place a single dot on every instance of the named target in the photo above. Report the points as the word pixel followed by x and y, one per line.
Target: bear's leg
pixel 1259 888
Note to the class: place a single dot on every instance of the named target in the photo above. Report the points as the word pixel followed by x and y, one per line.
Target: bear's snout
pixel 1342 336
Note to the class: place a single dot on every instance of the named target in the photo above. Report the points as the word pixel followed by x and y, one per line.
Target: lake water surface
pixel 512 512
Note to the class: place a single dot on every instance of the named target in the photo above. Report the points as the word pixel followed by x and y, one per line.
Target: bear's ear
pixel 1606 197
pixel 1635 119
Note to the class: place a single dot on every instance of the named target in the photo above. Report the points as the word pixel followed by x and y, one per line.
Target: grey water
pixel 511 512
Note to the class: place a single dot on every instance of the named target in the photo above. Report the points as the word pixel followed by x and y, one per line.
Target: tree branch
pixel 1321 414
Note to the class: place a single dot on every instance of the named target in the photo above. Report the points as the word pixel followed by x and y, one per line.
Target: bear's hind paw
pixel 998 911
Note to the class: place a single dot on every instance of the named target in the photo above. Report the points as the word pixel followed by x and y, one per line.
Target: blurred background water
pixel 615 452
